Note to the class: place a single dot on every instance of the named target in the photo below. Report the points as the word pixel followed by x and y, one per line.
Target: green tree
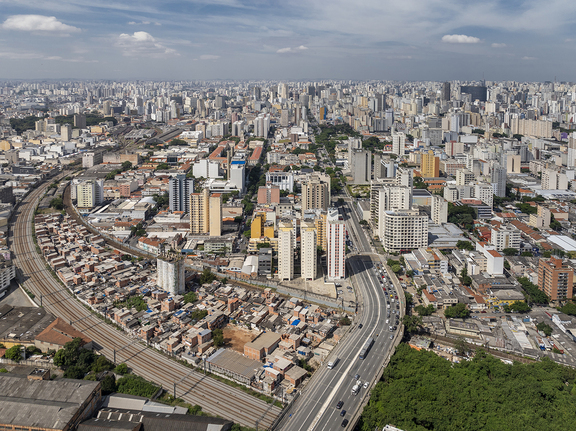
pixel 345 321
pixel 126 166
pixel 218 337
pixel 207 277
pixel 545 328
pixel 409 298
pixel 422 391
pixel 425 311
pixel 195 410
pixel 74 372
pixel 457 311
pixel 465 245
pixel 14 353
pixel 121 369
pixel 510 251
pixel 162 166
pixel 462 347
pixel 68 355
pixel 189 298
pixel 135 385
pixel 532 293
pixel 57 203
pixel 569 308
pixel 108 384
pixel 412 324
pixel 518 306
pixel 3 370
pixel 526 254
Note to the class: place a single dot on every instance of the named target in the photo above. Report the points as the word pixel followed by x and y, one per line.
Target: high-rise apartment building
pixel 403 230
pixel 285 250
pixel 215 214
pixel 66 132
pixel 445 92
pixel 361 167
pixel 404 177
pixel 260 227
pixel 308 247
pixel 464 177
pixel 499 180
pixel 555 279
pixel 554 180
pixel 430 166
pixel 179 190
pixel 80 121
pixel 199 212
pixel 238 176
pixel 91 159
pixel 399 143
pixel 336 241
pixel 484 192
pixel 315 194
pixel 90 193
pixel 439 209
pixel 505 237
pixel 170 274
pixel 268 195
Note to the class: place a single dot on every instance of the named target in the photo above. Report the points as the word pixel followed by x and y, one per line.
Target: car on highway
pixel 344 423
pixel 391 337
pixel 360 326
pixel 339 405
pixel 396 296
pixel 356 376
pixel 343 413
pixel 366 385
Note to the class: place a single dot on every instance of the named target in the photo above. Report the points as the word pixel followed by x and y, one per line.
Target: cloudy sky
pixel 531 40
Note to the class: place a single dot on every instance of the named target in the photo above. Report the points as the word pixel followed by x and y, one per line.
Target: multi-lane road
pixel 316 408
pixel 193 387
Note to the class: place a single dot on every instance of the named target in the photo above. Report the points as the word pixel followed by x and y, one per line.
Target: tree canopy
pixel 465 245
pixel 457 310
pixel 532 293
pixel 421 391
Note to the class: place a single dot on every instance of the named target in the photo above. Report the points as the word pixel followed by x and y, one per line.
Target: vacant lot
pixel 236 337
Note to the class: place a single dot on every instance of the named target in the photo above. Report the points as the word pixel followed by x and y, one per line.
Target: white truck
pixel 332 363
pixel 355 389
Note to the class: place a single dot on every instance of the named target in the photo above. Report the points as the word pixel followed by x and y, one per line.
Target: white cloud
pixel 38 23
pixel 529 58
pixel 142 44
pixel 459 38
pixel 209 57
pixel 498 45
pixel 298 48
pixel 143 23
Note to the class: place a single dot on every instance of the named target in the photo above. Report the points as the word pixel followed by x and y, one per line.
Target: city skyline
pixel 237 39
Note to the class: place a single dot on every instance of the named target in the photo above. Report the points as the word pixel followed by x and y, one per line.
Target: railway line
pixel 193 387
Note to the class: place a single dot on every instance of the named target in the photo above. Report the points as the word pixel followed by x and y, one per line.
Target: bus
pixel 366 347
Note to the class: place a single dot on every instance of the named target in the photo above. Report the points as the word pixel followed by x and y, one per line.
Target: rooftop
pixel 42 403
pixel 22 323
pixel 235 362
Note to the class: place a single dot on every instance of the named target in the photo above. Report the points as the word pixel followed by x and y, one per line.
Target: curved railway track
pixel 213 396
